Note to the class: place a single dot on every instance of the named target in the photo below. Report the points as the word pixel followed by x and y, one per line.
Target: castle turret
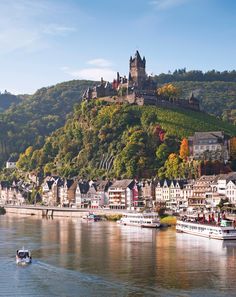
pixel 137 72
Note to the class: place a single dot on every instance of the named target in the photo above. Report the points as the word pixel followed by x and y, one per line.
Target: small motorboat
pixel 23 257
pixel 91 217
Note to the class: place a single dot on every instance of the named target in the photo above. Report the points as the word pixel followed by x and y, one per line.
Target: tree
pixel 184 149
pixel 233 148
pixel 169 91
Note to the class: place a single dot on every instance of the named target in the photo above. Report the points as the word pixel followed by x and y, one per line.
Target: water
pixel 72 257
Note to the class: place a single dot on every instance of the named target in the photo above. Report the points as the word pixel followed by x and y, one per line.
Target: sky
pixel 44 42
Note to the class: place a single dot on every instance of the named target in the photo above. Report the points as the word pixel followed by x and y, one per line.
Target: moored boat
pixel 222 229
pixel 92 217
pixel 23 257
pixel 145 220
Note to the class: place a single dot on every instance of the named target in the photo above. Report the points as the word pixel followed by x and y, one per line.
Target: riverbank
pixel 108 214
pixel 42 211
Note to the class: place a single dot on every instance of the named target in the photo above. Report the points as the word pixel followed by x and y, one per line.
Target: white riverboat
pixel 23 257
pixel 145 219
pixel 223 230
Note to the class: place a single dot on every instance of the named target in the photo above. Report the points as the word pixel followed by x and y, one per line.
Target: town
pixel 204 193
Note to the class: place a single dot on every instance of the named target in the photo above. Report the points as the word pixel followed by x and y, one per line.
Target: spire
pixel 137 56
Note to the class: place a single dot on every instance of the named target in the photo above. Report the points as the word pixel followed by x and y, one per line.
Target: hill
pixel 32 118
pixel 36 116
pixel 7 99
pixel 216 97
pixel 102 140
pixel 216 90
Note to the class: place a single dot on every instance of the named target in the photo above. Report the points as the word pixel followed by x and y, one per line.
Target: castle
pixel 138 88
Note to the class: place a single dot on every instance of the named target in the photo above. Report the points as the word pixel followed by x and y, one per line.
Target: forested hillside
pixel 119 141
pixel 215 97
pixel 216 90
pixel 28 122
pixel 30 118
pixel 7 99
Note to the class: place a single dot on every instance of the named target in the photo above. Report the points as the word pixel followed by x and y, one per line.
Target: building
pixel 101 198
pixel 147 193
pixel 138 89
pixel 171 192
pixel 201 190
pixel 11 162
pixel 137 71
pixel 231 191
pixel 209 146
pixel 102 90
pixel 121 194
pixel 81 197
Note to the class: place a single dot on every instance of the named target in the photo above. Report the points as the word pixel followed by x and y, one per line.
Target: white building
pixel 121 194
pixel 171 193
pixel 11 163
pixel 209 145
pixel 231 191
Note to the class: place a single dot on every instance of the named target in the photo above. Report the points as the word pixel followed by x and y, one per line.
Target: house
pixel 163 191
pixel 4 188
pixel 209 146
pixel 202 189
pixel 92 197
pixel 147 193
pixel 11 162
pixel 11 194
pixel 121 194
pixel 81 198
pixel 67 192
pixel 231 191
pixel 187 191
pixel 221 182
pixel 49 193
pixel 101 197
pixel 171 192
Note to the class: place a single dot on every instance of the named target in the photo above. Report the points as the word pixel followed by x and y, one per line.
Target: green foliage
pixel 34 117
pixel 7 100
pixel 120 141
pixel 216 97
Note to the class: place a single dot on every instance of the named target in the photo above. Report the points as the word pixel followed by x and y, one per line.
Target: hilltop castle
pixel 138 88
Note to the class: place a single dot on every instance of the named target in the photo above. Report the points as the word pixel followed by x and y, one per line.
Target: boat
pixel 23 257
pixel 92 217
pixel 141 219
pixel 223 229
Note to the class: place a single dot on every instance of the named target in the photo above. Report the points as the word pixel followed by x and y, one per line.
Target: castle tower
pixel 137 72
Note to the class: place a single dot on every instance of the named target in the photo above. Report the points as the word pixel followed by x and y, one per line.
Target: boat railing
pixel 212 222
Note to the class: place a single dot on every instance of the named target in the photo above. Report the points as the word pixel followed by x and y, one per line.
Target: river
pixel 72 257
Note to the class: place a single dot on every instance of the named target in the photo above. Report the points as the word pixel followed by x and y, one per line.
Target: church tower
pixel 137 72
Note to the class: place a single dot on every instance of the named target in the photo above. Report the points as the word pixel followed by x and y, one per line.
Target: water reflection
pixel 141 261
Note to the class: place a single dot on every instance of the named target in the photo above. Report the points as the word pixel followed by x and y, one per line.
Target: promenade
pixel 47 211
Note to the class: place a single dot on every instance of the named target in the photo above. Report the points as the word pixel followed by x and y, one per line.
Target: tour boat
pixel 146 220
pixel 23 257
pixel 222 229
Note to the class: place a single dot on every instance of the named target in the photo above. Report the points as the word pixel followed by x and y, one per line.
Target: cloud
pixel 28 26
pixel 102 69
pixel 56 29
pixel 93 73
pixel 167 4
pixel 100 62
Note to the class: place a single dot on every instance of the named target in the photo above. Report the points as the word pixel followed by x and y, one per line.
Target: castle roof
pixel 138 58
